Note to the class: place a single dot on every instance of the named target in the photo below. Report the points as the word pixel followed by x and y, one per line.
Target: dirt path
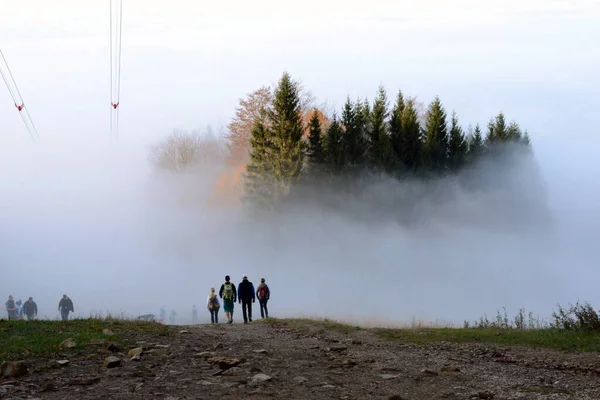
pixel 311 363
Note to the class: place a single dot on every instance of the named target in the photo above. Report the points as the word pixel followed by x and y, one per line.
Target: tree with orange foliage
pixel 240 128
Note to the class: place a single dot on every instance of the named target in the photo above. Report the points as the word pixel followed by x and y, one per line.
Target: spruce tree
pixel 353 139
pixel 412 143
pixel 476 144
pixel 286 130
pixel 334 151
pixel 258 183
pixel 315 152
pixel 457 146
pixel 380 148
pixel 436 137
pixel 397 136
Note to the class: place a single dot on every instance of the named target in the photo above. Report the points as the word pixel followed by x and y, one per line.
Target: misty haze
pixel 101 219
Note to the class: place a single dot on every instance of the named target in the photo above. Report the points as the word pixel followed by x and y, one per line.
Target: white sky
pixel 185 64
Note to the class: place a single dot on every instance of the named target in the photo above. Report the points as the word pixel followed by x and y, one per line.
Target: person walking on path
pixel 194 315
pixel 229 296
pixel 213 305
pixel 11 309
pixel 263 294
pixel 65 306
pixel 30 309
pixel 246 297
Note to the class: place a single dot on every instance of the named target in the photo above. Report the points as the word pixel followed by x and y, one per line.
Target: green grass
pixel 21 340
pixel 546 338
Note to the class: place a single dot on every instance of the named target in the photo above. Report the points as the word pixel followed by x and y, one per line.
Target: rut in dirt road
pixel 310 362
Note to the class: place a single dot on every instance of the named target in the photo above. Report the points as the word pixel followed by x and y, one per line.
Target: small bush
pixel 578 317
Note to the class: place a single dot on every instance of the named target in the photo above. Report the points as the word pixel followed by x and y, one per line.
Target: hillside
pixel 292 359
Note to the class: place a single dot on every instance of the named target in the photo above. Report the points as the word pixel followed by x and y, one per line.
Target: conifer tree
pixel 436 137
pixel 380 148
pixel 258 184
pixel 315 152
pixel 413 140
pixel 476 144
pixel 353 139
pixel 286 131
pixel 457 146
pixel 397 136
pixel 334 151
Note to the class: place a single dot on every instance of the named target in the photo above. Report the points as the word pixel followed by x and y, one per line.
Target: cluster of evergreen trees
pixel 373 138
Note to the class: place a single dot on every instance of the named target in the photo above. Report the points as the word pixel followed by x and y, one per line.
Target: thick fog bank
pixel 95 222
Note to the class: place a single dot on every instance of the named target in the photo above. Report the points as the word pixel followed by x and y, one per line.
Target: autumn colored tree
pixel 240 128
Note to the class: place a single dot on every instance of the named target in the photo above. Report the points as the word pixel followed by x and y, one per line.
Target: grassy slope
pixel 548 338
pixel 30 339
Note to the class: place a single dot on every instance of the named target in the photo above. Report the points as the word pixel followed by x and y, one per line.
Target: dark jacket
pixel 246 290
pixel 267 294
pixel 30 308
pixel 66 304
pixel 234 297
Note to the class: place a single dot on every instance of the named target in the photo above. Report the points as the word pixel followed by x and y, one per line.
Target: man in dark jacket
pixel 246 297
pixel 65 305
pixel 30 309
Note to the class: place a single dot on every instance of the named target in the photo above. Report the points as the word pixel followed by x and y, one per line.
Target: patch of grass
pixel 548 337
pixel 22 340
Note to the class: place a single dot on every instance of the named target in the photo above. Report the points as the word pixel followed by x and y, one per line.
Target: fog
pixel 88 217
pixel 96 222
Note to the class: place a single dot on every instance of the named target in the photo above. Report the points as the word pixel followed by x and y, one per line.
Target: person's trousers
pixel 264 312
pixel 247 310
pixel 12 317
pixel 214 316
pixel 64 314
pixel 30 317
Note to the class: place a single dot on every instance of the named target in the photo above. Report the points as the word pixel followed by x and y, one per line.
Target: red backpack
pixel 262 292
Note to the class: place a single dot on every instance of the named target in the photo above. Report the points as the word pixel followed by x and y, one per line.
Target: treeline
pixel 378 139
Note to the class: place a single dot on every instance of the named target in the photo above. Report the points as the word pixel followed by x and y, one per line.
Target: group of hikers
pixel 17 310
pixel 245 295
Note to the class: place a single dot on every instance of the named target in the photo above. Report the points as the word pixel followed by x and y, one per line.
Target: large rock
pixel 62 363
pixel 13 369
pixel 136 352
pixel 112 362
pixel 108 332
pixel 67 344
pixel 224 363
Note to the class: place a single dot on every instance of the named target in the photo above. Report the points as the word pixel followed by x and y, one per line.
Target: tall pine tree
pixel 380 147
pixel 412 143
pixel 286 131
pixel 334 150
pixel 397 136
pixel 457 145
pixel 476 144
pixel 259 188
pixel 436 137
pixel 315 152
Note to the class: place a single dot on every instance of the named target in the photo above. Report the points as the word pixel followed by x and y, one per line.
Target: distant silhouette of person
pixel 194 315
pixel 172 317
pixel 65 306
pixel 213 305
pixel 263 293
pixel 11 308
pixel 229 296
pixel 30 309
pixel 163 315
pixel 246 297
pixel 19 304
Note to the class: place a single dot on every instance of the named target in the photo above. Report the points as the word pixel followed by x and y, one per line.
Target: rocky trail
pixel 261 360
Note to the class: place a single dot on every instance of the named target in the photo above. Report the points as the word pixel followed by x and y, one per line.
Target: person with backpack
pixel 65 306
pixel 30 309
pixel 263 293
pixel 213 305
pixel 246 297
pixel 229 296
